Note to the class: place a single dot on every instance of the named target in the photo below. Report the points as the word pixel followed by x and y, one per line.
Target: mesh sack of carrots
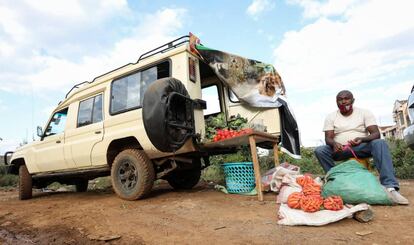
pixel 310 199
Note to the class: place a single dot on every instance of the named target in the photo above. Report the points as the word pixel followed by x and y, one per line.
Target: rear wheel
pixel 81 185
pixel 25 183
pixel 132 174
pixel 184 179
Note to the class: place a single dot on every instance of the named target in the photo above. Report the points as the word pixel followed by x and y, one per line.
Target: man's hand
pixel 355 141
pixel 337 147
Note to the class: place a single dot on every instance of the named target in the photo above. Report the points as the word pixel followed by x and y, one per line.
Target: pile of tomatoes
pixel 222 134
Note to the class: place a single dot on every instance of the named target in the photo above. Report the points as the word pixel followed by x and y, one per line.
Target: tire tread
pixel 146 174
pixel 25 183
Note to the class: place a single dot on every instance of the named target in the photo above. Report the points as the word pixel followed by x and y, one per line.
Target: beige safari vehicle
pixel 138 123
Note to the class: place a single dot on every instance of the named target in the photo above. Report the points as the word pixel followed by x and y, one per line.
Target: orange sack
pixel 294 200
pixel 312 189
pixel 334 203
pixel 304 180
pixel 311 203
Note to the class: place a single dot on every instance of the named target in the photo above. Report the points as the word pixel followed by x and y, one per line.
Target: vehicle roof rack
pixel 74 87
pixel 161 49
pixel 165 47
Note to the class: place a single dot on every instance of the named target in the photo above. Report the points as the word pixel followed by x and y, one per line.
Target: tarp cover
pixel 257 84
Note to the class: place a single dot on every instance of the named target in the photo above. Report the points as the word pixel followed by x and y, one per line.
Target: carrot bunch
pixel 310 199
pixel 333 203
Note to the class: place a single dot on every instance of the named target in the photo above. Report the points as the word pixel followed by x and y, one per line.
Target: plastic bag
pixel 283 174
pixel 355 184
pixel 289 216
pixel 285 191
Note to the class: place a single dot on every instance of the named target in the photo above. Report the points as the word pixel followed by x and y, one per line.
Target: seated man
pixel 358 129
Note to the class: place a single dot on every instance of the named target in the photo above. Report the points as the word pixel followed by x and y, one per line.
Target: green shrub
pixel 308 163
pixel 215 173
pixel 101 183
pixel 56 185
pixel 8 180
pixel 402 157
pixel 2 169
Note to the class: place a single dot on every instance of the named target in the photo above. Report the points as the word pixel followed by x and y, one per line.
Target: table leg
pixel 256 167
pixel 276 154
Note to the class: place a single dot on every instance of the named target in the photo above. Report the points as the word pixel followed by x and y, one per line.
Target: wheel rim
pixel 128 175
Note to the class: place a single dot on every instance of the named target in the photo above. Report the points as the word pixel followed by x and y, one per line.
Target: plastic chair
pixel 363 161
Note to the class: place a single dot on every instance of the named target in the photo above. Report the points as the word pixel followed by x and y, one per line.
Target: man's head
pixel 344 101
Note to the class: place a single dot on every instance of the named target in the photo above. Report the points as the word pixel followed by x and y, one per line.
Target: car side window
pixel 57 123
pixel 127 92
pixel 211 95
pixel 232 96
pixel 97 109
pixel 90 111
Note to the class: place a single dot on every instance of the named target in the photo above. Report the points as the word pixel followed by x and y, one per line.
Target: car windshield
pixel 57 123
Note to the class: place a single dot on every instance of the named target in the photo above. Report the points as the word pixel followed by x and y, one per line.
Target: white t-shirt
pixel 349 127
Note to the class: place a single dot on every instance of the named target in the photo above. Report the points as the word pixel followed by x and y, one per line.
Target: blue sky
pixel 318 47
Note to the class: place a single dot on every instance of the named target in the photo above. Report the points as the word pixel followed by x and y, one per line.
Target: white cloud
pixel 76 10
pixel 259 6
pixel 363 51
pixel 365 48
pixel 2 106
pixel 47 72
pixel 10 25
pixel 315 9
pixel 66 9
pixel 8 145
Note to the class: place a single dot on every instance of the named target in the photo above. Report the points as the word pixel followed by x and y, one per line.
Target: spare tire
pixel 168 114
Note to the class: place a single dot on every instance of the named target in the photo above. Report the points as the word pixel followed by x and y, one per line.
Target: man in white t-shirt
pixel 358 129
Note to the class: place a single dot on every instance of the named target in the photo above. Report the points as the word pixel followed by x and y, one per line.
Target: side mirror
pixel 39 131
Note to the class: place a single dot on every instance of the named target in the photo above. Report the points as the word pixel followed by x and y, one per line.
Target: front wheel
pixel 25 183
pixel 132 174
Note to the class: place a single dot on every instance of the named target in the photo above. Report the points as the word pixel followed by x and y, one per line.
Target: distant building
pixel 401 119
pixel 388 131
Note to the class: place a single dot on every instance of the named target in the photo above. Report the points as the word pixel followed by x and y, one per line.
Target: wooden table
pixel 251 139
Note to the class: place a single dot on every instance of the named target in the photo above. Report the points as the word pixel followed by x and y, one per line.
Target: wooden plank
pixel 242 140
pixel 264 138
pixel 256 167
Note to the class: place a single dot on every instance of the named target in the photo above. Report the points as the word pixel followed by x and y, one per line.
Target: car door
pixel 259 118
pixel 221 99
pixel 87 132
pixel 49 152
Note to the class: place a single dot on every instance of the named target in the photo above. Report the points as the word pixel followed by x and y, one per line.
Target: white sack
pixel 285 191
pixel 289 216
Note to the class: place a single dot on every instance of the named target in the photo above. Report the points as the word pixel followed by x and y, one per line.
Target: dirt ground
pixel 199 216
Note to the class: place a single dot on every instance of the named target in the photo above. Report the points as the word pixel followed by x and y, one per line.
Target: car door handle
pixel 58 142
pixel 98 132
